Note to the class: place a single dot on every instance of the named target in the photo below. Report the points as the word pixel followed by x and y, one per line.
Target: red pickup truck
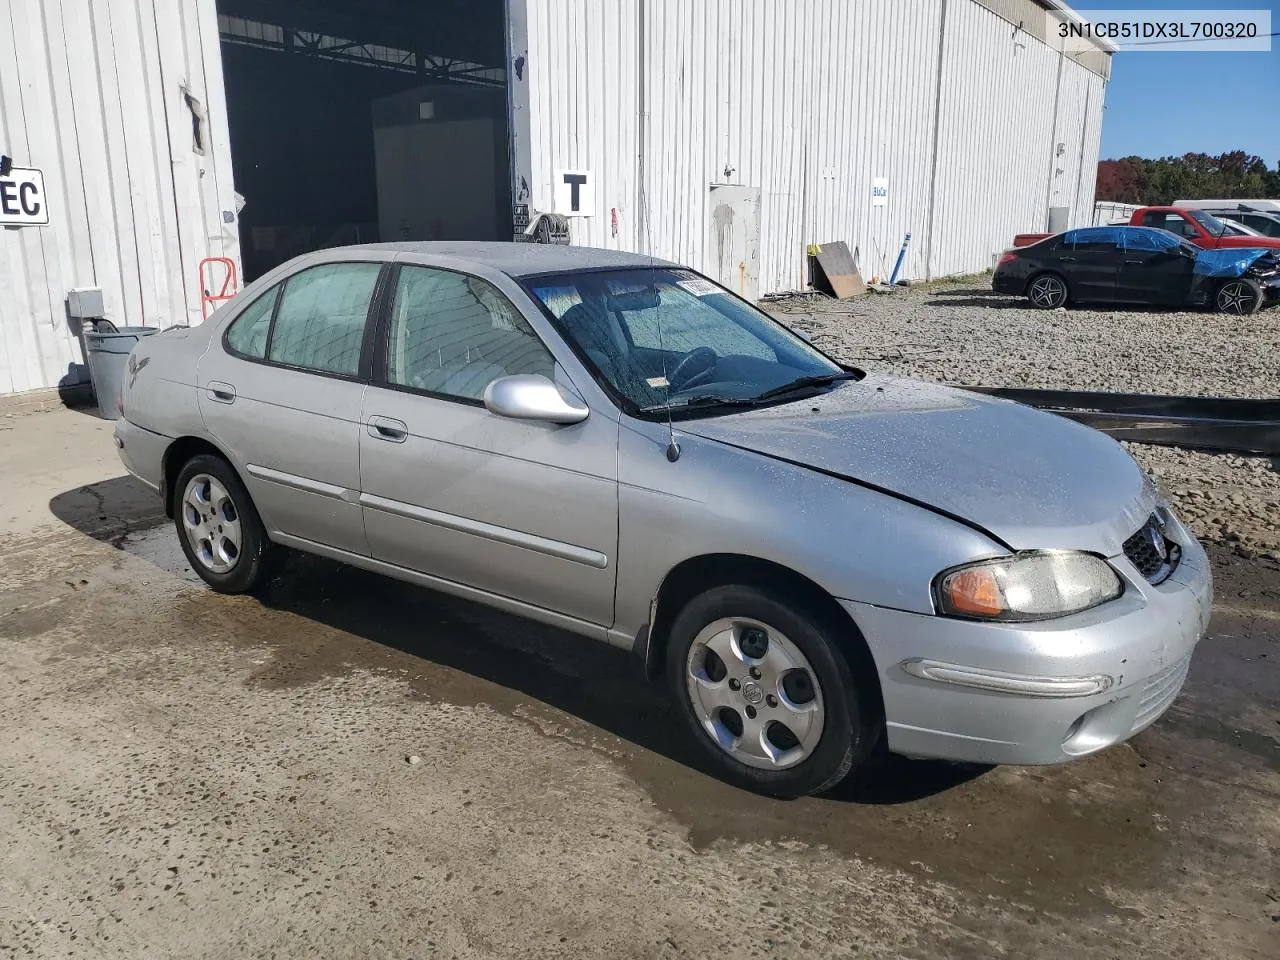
pixel 1202 229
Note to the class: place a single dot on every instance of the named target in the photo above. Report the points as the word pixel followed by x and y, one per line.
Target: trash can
pixel 108 356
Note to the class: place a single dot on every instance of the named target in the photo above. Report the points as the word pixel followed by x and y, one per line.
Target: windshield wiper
pixel 803 383
pixel 711 400
pixel 703 400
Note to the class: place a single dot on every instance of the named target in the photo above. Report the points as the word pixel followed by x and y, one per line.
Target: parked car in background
pixel 1263 205
pixel 1264 224
pixel 1138 265
pixel 1195 226
pixel 1234 228
pixel 811 555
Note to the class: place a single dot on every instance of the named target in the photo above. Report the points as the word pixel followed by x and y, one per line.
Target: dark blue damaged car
pixel 1141 265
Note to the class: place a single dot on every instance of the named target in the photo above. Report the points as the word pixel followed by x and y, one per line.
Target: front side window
pixel 453 335
pixel 321 319
pixel 659 336
pixel 247 335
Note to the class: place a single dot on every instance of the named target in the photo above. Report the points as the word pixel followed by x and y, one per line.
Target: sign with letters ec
pixel 575 193
pixel 22 200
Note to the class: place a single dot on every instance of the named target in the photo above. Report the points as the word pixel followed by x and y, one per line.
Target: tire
pixel 1047 291
pixel 754 754
pixel 1242 297
pixel 219 528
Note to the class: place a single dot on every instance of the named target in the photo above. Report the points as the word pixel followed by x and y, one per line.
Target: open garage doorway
pixel 356 121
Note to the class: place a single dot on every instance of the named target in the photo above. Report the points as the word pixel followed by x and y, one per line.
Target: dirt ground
pixel 351 767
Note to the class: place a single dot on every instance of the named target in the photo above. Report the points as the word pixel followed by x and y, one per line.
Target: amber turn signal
pixel 974 592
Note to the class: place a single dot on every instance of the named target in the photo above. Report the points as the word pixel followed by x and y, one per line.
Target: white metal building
pixel 726 134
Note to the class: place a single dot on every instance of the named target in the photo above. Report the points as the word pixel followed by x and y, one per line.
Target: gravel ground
pixel 962 333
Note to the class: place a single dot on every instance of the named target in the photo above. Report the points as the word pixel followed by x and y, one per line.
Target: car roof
pixel 514 259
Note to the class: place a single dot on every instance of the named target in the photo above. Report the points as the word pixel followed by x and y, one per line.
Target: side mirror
pixel 531 396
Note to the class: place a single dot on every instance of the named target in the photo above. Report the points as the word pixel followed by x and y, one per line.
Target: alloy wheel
pixel 754 693
pixel 211 523
pixel 1237 298
pixel 1047 291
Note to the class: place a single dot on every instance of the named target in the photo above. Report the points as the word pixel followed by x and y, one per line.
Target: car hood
pixel 1032 480
pixel 1238 262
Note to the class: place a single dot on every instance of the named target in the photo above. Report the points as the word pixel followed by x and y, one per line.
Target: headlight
pixel 1028 586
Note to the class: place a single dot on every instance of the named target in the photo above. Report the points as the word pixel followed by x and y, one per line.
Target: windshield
pixel 659 336
pixel 1209 222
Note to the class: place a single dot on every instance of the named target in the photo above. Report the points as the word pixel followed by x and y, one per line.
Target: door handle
pixel 220 392
pixel 1139 262
pixel 1066 259
pixel 388 428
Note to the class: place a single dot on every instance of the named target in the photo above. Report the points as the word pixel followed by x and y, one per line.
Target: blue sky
pixel 1163 103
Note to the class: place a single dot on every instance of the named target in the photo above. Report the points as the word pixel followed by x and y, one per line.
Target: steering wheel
pixel 695 367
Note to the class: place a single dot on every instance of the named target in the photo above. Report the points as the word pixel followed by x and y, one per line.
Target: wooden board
pixel 834 271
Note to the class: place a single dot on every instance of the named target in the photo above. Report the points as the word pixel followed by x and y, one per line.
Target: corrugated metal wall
pixel 95 95
pixel 808 100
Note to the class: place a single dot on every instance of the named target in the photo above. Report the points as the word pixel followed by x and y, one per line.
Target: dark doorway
pixel 355 121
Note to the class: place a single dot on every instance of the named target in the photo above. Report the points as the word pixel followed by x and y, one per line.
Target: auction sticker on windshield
pixel 699 287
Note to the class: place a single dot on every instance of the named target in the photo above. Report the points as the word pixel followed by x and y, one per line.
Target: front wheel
pixel 219 528
pixel 1242 297
pixel 765 692
pixel 1047 291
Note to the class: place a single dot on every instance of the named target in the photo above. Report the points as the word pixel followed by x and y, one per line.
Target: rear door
pixel 1155 268
pixel 1090 260
pixel 281 390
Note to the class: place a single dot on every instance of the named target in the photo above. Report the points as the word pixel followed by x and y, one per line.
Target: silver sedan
pixel 816 559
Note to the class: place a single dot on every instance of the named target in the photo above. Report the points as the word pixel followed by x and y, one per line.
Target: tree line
pixel 1195 176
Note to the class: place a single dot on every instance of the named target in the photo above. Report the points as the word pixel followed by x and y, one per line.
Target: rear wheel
pixel 766 692
pixel 219 529
pixel 1241 296
pixel 1048 291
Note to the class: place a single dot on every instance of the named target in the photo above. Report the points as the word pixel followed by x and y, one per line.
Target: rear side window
pixel 321 319
pixel 1266 226
pixel 1092 240
pixel 247 335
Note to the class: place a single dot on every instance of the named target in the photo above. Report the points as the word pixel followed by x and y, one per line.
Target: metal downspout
pixel 937 146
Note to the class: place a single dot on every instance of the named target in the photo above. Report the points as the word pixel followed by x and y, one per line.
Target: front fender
pixel 855 543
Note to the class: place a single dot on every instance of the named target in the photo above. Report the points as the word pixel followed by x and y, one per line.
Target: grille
pixel 1153 553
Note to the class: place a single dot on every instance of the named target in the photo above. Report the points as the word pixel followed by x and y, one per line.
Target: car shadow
pixel 996 301
pixel 110 509
pixel 602 685
pixel 1002 301
pixel 984 292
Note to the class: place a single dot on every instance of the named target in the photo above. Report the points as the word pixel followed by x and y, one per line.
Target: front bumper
pixel 1021 693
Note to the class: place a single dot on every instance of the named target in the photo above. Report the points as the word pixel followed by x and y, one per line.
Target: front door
pixel 733 242
pixel 281 392
pixel 1155 268
pixel 523 510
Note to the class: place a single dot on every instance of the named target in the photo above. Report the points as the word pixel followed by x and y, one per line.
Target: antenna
pixel 673 445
